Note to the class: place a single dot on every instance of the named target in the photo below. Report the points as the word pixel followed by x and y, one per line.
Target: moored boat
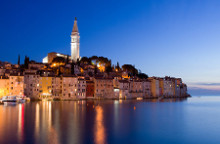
pixel 9 99
pixel 21 99
pixel 13 99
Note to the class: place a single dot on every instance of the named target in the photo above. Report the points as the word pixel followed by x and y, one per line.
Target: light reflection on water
pixel 99 131
pixel 195 120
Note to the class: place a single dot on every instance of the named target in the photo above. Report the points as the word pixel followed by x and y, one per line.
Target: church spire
pixel 75 27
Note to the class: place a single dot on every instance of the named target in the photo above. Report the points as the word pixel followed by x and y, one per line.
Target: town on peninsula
pixel 71 77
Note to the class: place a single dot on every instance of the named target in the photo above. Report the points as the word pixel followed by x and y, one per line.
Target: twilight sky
pixel 177 38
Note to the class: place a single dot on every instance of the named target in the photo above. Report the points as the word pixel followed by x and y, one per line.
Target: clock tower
pixel 75 42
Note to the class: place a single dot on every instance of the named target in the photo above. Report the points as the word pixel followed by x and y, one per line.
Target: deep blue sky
pixel 161 37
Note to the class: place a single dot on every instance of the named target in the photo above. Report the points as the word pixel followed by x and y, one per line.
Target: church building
pixel 74 47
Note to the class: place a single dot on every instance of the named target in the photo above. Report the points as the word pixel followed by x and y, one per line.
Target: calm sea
pixel 189 121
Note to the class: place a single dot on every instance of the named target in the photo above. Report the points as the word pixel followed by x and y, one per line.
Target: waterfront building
pixel 146 89
pixel 177 90
pixel 136 89
pixel 81 88
pixel 57 86
pixel 31 82
pixel 116 82
pixel 4 86
pixel 178 86
pixel 183 90
pixel 124 89
pixel 45 87
pixel 174 85
pixel 104 88
pixel 69 87
pixel 165 85
pixel 155 91
pixel 116 93
pixel 16 84
pixel 89 89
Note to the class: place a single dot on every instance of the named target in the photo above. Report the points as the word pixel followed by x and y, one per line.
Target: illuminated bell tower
pixel 75 42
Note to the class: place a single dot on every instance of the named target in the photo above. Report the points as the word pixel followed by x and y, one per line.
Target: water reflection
pixel 191 121
pixel 37 121
pixel 44 131
pixel 21 123
pixel 100 136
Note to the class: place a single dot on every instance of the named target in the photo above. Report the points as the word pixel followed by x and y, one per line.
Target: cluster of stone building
pixel 71 81
pixel 40 83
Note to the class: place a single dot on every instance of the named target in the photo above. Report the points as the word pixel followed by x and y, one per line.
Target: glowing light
pixel 37 121
pixel 100 136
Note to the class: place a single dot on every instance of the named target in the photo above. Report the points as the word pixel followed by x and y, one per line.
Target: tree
pixel 108 69
pixel 58 60
pixel 131 69
pixel 59 71
pixel 78 62
pixel 85 60
pixel 26 62
pixel 142 76
pixel 94 58
pixel 117 67
pixel 96 70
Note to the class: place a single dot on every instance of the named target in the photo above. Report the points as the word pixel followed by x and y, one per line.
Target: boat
pixel 7 100
pixel 13 99
pixel 21 99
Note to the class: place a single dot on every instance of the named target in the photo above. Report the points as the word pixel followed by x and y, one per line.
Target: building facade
pixel 124 89
pixel 103 88
pixel 146 89
pixel 31 85
pixel 4 86
pixel 136 89
pixel 90 89
pixel 16 85
pixel 155 91
pixel 45 87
